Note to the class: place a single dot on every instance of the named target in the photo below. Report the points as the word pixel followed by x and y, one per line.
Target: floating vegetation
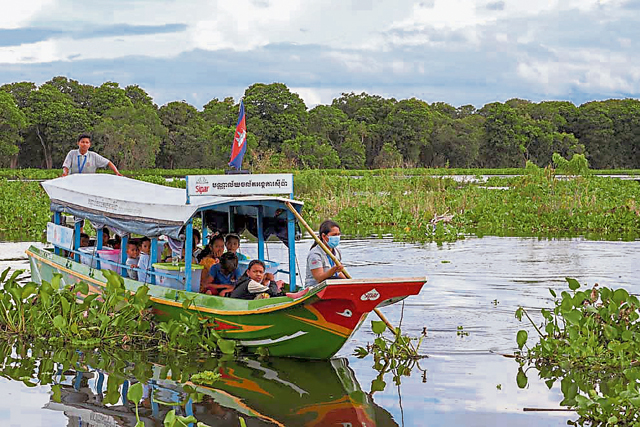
pixel 590 342
pixel 396 355
pixel 114 318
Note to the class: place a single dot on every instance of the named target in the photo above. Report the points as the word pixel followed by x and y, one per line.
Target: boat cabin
pixel 260 204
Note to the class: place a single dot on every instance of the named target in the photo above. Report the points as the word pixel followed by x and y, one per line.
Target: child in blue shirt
pixel 223 276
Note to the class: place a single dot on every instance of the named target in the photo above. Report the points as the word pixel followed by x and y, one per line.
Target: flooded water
pixel 475 286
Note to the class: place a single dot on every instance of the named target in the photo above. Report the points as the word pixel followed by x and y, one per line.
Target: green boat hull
pixel 314 326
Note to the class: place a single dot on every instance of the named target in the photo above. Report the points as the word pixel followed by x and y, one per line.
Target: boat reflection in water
pixel 272 392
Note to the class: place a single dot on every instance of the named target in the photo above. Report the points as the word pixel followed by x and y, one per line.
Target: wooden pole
pixel 333 258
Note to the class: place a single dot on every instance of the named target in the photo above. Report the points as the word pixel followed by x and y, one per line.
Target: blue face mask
pixel 333 242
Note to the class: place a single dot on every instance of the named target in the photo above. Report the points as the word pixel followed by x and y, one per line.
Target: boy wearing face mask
pixel 319 266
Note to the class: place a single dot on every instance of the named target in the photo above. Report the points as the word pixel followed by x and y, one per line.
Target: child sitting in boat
pixel 252 284
pixel 223 276
pixel 210 255
pixel 144 260
pixel 133 255
pixel 232 243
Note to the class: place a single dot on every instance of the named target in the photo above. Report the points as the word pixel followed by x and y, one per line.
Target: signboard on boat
pixel 239 185
pixel 60 236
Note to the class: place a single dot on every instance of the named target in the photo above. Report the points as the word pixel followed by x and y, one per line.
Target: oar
pixel 333 258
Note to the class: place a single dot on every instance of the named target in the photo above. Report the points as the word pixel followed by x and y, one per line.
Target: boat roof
pixel 130 199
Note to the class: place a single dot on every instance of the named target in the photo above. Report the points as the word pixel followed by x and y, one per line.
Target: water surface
pixel 476 284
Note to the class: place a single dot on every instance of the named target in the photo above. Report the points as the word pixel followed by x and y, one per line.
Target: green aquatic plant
pixel 590 341
pixel 396 355
pixel 70 314
pixel 405 203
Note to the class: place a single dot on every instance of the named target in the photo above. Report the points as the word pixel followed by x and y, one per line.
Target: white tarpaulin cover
pixel 124 198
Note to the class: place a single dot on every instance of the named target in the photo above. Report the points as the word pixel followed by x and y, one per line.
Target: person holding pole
pixel 320 266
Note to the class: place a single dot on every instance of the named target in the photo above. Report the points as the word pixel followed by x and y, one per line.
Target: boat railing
pixel 123 268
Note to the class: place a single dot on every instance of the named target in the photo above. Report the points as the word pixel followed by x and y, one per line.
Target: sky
pixel 455 51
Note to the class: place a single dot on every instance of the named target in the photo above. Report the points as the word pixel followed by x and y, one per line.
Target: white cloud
pixel 16 14
pixel 67 49
pixel 587 70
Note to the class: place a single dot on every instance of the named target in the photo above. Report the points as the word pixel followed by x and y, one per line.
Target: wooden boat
pixel 313 326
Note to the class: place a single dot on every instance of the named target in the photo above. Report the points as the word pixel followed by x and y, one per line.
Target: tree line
pixel 39 125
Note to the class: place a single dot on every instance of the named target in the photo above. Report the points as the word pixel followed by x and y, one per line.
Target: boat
pixel 312 325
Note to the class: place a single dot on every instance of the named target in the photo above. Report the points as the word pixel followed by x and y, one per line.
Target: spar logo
pixel 202 185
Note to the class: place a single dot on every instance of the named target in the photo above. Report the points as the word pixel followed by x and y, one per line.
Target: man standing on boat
pixel 84 161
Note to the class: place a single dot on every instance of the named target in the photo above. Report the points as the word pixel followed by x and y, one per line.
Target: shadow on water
pixel 91 388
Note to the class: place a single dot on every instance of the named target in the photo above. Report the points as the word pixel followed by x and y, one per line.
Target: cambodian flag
pixel 239 140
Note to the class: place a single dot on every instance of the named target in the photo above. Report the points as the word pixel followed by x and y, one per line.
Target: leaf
pixel 135 393
pixel 378 385
pixel 74 328
pixel 170 418
pixel 28 290
pixel 521 338
pixel 378 327
pixel 82 288
pixel 57 393
pixel 242 422
pixel 574 317
pixel 227 346
pixel 573 283
pixel 552 292
pixel 59 322
pixel 620 295
pixel 519 313
pixel 521 379
pixel 65 305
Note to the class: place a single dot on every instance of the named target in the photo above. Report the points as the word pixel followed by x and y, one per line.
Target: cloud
pixel 457 51
pixel 24 36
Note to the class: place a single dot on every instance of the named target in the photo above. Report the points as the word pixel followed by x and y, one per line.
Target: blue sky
pixel 456 51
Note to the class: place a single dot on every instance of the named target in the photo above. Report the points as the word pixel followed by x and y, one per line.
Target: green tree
pixel 139 97
pixel 56 121
pixel 186 137
pixel 224 113
pixel 20 91
pixel 311 151
pixel 80 93
pixel 388 157
pixel 409 127
pixel 457 142
pixel 506 140
pixel 130 137
pixel 109 95
pixel 12 122
pixel 274 114
pixel 363 107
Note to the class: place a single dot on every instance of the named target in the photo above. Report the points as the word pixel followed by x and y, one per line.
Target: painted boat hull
pixel 314 326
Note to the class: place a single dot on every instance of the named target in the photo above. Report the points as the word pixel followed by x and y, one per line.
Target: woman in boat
pixel 319 266
pixel 210 256
pixel 253 285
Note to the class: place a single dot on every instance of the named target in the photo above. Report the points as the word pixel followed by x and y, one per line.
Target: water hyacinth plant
pixel 590 342
pixel 115 318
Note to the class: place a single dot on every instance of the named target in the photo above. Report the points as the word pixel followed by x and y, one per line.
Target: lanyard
pixel 332 264
pixel 80 168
